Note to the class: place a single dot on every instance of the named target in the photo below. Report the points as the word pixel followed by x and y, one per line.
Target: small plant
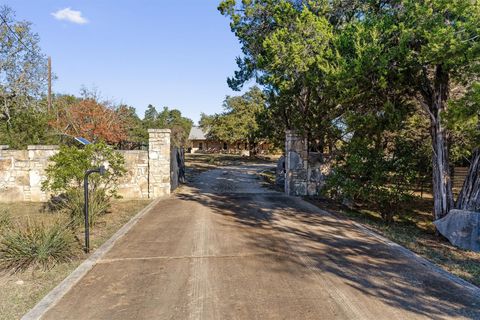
pixel 5 219
pixel 34 245
pixel 72 203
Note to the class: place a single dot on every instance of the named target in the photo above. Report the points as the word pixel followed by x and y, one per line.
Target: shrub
pixel 65 179
pixel 34 245
pixel 372 177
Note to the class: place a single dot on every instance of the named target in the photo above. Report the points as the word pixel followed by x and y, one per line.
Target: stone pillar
pixel 158 162
pixel 296 164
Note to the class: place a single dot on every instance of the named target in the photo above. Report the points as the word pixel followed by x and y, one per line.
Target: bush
pixel 34 245
pixel 65 179
pixel 372 177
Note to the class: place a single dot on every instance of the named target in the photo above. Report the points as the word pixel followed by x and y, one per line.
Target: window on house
pixel 200 146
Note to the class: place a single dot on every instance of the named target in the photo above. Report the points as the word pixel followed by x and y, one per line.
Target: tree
pixel 240 120
pixel 23 72
pixel 322 61
pixel 431 46
pixel 137 135
pixel 288 49
pixel 169 119
pixel 465 118
pixel 92 120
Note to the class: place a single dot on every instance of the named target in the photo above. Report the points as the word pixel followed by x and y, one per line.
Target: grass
pixel 19 292
pixel 36 245
pixel 413 229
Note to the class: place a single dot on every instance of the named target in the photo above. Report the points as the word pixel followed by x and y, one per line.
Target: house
pixel 200 143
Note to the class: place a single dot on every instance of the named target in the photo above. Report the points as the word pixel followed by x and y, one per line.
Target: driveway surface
pixel 225 248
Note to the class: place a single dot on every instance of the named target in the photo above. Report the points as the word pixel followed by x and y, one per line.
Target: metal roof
pixel 197 133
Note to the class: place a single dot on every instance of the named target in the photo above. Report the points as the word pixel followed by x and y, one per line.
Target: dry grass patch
pixel 20 291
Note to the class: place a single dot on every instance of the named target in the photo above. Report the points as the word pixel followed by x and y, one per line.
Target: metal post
pixel 101 171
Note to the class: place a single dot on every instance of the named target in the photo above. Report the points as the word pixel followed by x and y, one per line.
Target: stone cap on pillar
pixel 159 131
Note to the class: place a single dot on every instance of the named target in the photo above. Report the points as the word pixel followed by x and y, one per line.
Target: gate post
pixel 296 164
pixel 158 162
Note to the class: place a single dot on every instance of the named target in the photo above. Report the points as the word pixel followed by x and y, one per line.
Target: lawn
pixel 21 291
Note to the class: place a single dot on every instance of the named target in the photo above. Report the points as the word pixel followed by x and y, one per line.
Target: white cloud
pixel 70 15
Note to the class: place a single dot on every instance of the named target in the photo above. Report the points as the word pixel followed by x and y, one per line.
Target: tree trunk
pixel 442 185
pixel 469 197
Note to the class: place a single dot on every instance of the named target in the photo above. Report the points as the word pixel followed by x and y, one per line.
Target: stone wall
pixel 22 173
pixel 305 172
pixel 159 160
pixel 134 185
pixel 148 172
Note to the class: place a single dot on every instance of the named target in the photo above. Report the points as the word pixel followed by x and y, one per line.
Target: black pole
pixel 85 211
pixel 101 171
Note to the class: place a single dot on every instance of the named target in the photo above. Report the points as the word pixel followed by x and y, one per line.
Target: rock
pixel 461 228
pixel 19 282
pixel 280 172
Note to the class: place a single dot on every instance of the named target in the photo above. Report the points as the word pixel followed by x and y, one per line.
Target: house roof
pixel 197 133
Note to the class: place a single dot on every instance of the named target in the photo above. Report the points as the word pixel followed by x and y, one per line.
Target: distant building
pixel 199 143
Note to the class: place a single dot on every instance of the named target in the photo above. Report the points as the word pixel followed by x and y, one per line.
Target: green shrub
pixel 65 179
pixel 34 245
pixel 370 176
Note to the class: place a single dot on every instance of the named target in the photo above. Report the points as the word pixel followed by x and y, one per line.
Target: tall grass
pixel 5 219
pixel 36 245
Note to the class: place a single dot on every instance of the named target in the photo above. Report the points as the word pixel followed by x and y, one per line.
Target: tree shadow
pixel 337 249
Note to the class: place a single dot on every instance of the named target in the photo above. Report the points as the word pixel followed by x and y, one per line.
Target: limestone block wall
pixel 148 172
pixel 305 172
pixel 134 184
pixel 22 173
pixel 296 164
pixel 159 162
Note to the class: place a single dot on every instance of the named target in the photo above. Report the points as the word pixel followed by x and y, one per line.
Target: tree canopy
pixel 368 79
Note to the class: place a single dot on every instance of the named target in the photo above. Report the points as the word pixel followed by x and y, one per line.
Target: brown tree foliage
pixel 92 120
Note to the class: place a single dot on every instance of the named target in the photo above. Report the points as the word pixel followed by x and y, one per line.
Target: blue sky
pixel 167 53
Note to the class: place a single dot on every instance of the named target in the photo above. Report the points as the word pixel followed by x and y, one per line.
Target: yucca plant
pixel 35 245
pixel 5 219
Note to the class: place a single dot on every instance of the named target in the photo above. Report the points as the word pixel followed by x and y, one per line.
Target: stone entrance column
pixel 158 162
pixel 296 164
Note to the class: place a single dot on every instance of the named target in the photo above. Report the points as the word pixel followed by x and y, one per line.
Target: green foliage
pixel 65 178
pixel 69 165
pixel 463 121
pixel 27 128
pixel 389 72
pixel 241 119
pixel 34 245
pixel 169 119
pixel 370 176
